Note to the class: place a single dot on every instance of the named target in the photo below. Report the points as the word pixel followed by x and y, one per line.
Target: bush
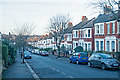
pixel 5 54
pixel 79 49
pixel 47 49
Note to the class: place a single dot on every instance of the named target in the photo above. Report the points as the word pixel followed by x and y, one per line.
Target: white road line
pixel 63 73
pixel 71 77
pixel 53 68
pixel 57 70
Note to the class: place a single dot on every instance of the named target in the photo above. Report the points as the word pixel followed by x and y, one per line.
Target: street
pixel 50 67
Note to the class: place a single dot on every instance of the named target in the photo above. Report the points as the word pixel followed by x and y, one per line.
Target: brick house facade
pixel 106 37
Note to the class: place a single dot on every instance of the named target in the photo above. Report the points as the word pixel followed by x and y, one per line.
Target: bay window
pixel 97 45
pixel 113 28
pixel 89 33
pixel 101 28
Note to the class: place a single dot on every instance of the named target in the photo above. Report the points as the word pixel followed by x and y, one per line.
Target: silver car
pixel 103 60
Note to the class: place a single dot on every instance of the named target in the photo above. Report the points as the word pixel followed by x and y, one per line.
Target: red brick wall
pixel 105 29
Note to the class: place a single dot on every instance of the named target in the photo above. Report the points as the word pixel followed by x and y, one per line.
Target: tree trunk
pixel 58 51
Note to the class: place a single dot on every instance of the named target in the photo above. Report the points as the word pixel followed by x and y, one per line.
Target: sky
pixel 39 12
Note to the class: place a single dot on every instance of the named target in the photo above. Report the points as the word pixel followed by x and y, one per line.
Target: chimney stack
pixel 107 10
pixel 70 24
pixel 84 18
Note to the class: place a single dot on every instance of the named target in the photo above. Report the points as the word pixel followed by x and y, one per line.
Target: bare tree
pixel 101 4
pixel 23 31
pixel 57 27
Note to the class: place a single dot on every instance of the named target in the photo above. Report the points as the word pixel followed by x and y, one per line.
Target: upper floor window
pixel 76 34
pixel 69 38
pixel 108 28
pixel 85 32
pixel 113 28
pixel 89 33
pixel 73 34
pixel 97 29
pixel 101 28
pixel 62 38
pixel 80 34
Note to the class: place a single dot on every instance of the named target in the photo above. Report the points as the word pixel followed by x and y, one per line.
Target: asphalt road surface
pixel 50 67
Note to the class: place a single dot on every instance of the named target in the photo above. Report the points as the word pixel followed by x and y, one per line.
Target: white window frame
pixel 99 44
pixel 110 39
pixel 74 34
pixel 113 27
pixel 99 28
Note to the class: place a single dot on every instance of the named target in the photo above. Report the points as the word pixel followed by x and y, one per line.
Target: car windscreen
pixel 44 52
pixel 106 56
pixel 26 53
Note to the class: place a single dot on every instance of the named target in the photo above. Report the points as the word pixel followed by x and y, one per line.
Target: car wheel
pixel 77 62
pixel 103 66
pixel 70 61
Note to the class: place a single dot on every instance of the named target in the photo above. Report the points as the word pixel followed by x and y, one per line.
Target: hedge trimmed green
pixel 5 54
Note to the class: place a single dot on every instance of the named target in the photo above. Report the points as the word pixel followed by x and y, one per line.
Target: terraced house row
pixel 97 34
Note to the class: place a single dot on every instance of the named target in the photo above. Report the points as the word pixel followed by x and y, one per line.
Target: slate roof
pixel 89 24
pixel 84 24
pixel 105 18
pixel 68 30
pixel 79 25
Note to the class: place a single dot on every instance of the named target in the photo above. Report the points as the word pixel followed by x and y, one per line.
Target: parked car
pixel 27 55
pixel 36 51
pixel 44 53
pixel 40 52
pixel 79 57
pixel 32 51
pixel 103 61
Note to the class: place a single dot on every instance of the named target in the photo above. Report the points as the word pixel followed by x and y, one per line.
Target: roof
pixel 68 30
pixel 89 24
pixel 105 18
pixel 83 23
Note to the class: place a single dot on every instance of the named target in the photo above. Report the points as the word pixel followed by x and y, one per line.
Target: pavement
pixel 18 70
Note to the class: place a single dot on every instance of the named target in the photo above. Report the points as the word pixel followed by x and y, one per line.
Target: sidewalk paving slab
pixel 18 70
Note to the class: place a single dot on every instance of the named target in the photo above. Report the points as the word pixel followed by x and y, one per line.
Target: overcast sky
pixel 39 12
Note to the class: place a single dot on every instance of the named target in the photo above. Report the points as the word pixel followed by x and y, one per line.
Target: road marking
pixel 71 77
pixel 53 68
pixel 57 70
pixel 63 73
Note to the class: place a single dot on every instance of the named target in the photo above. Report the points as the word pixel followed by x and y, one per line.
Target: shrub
pixel 79 49
pixel 5 54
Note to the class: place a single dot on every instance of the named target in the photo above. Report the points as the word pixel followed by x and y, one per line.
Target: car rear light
pixel 79 56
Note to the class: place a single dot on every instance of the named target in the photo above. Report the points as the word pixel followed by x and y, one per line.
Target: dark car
pixel 79 57
pixel 27 55
pixel 44 53
pixel 103 61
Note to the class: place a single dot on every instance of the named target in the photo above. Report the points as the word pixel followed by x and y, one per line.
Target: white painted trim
pixel 110 39
pixel 99 44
